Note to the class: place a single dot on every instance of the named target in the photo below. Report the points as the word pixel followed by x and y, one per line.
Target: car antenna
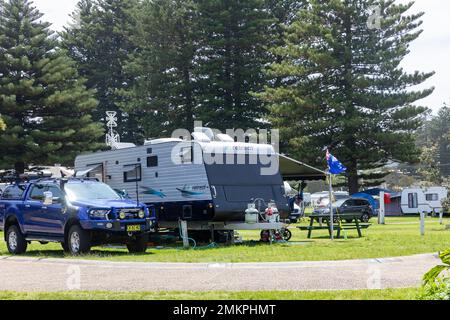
pixel 137 185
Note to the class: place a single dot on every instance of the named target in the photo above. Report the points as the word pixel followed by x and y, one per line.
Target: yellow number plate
pixel 133 228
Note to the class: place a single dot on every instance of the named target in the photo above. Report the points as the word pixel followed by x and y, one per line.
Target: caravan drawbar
pixel 205 181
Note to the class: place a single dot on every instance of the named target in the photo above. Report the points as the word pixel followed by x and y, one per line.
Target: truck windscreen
pixel 90 191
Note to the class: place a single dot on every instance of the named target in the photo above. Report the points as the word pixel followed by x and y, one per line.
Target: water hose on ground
pixel 195 247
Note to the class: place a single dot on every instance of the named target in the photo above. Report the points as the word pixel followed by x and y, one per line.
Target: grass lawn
pixel 400 236
pixel 388 294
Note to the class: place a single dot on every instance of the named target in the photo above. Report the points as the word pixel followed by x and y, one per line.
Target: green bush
pixel 436 287
pixel 439 290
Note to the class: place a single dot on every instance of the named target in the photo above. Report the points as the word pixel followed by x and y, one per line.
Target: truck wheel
pixel 79 241
pixel 65 247
pixel 139 245
pixel 15 240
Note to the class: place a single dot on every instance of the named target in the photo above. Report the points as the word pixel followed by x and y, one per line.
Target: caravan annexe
pixel 179 178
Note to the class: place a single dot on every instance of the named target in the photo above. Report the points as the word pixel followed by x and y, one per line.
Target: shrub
pixel 439 290
pixel 436 287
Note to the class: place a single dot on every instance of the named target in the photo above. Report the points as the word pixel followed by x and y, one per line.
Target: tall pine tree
pixel 98 39
pixel 43 102
pixel 163 91
pixel 343 87
pixel 235 35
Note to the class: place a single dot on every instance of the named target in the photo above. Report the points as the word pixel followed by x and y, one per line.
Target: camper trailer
pixel 429 200
pixel 415 200
pixel 211 178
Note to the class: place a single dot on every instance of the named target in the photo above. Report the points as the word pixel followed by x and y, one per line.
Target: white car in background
pixel 299 210
pixel 322 199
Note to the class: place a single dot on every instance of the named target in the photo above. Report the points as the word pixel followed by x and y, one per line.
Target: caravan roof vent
pixel 201 137
pixel 224 137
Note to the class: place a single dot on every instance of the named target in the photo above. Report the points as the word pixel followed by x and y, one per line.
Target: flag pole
pixel 334 167
pixel 331 208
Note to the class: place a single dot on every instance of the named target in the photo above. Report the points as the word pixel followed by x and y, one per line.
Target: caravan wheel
pixel 286 234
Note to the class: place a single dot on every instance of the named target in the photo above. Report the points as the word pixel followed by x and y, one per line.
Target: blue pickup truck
pixel 78 213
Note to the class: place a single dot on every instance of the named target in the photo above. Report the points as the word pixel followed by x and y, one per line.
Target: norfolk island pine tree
pixel 342 86
pixel 43 101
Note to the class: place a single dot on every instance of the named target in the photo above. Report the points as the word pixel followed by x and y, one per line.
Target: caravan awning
pixel 292 169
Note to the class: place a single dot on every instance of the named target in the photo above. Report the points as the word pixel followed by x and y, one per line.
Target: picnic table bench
pixel 341 222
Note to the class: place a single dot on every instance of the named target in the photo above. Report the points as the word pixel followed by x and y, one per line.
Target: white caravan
pixel 429 200
pixel 178 177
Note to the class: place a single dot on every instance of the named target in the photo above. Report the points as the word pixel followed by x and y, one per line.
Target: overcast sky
pixel 431 52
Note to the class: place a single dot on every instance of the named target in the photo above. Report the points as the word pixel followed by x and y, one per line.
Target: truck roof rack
pixel 62 181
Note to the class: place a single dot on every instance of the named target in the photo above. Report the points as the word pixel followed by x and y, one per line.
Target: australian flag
pixel 334 165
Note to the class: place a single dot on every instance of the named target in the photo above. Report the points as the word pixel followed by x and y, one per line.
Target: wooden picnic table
pixel 341 222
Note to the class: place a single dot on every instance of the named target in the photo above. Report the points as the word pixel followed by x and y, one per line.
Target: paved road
pixel 32 274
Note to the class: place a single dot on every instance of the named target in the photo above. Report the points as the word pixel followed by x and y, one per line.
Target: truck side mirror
pixel 57 200
pixel 48 198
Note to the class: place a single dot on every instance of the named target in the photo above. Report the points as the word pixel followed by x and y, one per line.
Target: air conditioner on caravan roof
pixel 224 137
pixel 206 131
pixel 201 137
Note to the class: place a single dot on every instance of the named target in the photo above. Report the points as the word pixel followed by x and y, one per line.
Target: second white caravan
pixel 429 200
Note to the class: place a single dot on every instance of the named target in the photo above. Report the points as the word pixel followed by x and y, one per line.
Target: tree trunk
pixel 228 94
pixel 353 185
pixel 189 100
pixel 19 166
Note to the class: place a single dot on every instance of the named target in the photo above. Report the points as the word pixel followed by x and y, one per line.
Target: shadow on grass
pixel 93 254
pixel 440 229
pixel 112 252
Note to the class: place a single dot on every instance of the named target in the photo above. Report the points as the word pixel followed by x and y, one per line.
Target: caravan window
pixel 152 161
pixel 413 200
pixel 432 197
pixel 186 155
pixel 96 172
pixel 132 173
